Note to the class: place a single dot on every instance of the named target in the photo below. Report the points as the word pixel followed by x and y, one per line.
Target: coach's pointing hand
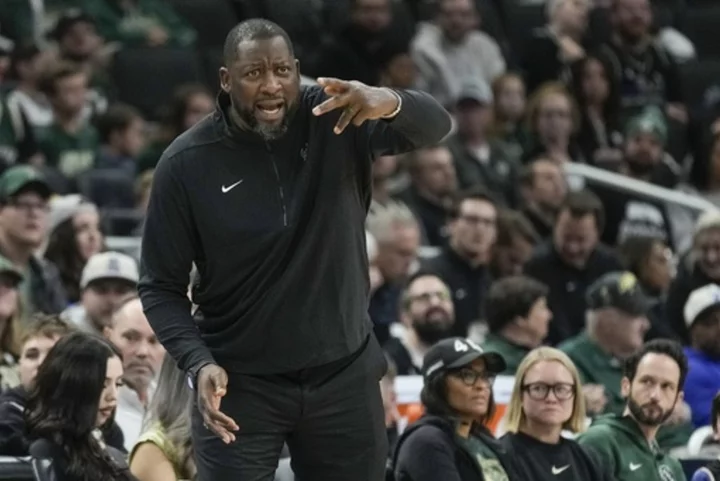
pixel 359 102
pixel 212 386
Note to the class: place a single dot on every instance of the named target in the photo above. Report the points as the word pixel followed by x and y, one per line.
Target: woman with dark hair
pixel 75 393
pixel 164 451
pixel 451 442
pixel 75 237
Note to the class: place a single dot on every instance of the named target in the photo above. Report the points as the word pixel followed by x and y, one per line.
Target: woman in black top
pixel 547 398
pixel 75 393
pixel 449 442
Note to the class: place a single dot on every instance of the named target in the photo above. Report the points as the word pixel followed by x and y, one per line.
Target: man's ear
pixel 107 331
pixel 625 387
pixel 224 79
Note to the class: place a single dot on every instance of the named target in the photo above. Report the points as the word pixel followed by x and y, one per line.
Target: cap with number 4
pixel 456 352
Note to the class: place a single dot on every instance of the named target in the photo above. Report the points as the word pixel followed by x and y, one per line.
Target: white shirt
pixel 130 414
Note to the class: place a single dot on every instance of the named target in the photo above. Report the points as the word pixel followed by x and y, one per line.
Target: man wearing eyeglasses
pixel 427 316
pixel 24 195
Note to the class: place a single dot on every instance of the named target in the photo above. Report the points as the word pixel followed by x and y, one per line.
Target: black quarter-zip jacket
pixel 276 230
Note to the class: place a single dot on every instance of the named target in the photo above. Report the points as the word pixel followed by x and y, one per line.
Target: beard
pixel 265 130
pixel 430 329
pixel 642 166
pixel 649 414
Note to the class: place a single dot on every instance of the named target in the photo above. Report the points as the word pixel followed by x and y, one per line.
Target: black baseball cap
pixel 456 352
pixel 67 20
pixel 620 290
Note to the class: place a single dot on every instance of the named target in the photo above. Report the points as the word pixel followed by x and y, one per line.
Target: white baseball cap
pixel 700 301
pixel 110 265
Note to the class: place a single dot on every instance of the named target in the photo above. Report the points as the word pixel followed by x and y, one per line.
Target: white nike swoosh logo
pixel 634 467
pixel 226 189
pixel 557 471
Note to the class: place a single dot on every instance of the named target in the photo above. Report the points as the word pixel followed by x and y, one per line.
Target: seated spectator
pixel 626 443
pixel 10 324
pixel 543 189
pixel 121 131
pixel 75 237
pixel 711 472
pixel 69 145
pixel 135 23
pixel 516 241
pixel 547 399
pixel 702 316
pixel 189 105
pixel 508 112
pixel 142 356
pixel 517 318
pixel 107 279
pixel 427 316
pixel 164 450
pixel 572 260
pixel 452 49
pixel 74 394
pixel 24 195
pixel 25 98
pixel 451 441
pixel 397 68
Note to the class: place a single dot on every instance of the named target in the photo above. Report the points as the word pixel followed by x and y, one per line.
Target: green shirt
pixel 488 462
pixel 512 353
pixel 623 449
pixel 71 153
pixel 8 135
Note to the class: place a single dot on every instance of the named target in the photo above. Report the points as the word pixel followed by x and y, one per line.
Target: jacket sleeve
pixel 426 456
pixel 169 247
pixel 12 430
pixel 421 122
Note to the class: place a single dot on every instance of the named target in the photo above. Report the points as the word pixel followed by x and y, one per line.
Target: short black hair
pixel 635 251
pixel 117 118
pixel 584 202
pixel 475 193
pixel 253 29
pixel 512 297
pixel 672 349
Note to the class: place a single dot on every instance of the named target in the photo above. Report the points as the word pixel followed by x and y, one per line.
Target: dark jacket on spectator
pixel 47 292
pixel 13 439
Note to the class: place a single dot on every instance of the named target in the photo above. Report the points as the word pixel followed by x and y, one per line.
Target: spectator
pixel 427 316
pixel 164 450
pixel 711 472
pixel 626 443
pixel 552 119
pixel 450 441
pixel 516 240
pixel 433 184
pixel 70 143
pixel 571 261
pixel 644 158
pixel 452 49
pixel 543 188
pixel 121 131
pixel 74 394
pixel 142 356
pixel 75 237
pixel 546 400
pixel 136 23
pixel 559 43
pixel 189 105
pixel 702 316
pixel 397 68
pixel 701 266
pixel 509 109
pixel 25 99
pixel 10 324
pixel 517 318
pixel 24 195
pixel 479 160
pixel 398 236
pixel 653 264
pixel 107 279
pixel 384 168
pixel 615 327
pixel 600 137
pixel 464 265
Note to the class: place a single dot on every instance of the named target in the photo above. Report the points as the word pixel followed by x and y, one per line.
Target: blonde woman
pixel 547 399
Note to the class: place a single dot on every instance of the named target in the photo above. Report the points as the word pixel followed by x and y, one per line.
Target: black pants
pixel 331 417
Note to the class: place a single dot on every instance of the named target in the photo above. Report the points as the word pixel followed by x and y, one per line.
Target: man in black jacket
pixel 268 198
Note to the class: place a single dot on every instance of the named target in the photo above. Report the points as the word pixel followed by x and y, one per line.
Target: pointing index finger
pixel 330 104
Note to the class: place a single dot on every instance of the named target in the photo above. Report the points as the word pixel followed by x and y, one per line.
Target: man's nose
pixel 271 85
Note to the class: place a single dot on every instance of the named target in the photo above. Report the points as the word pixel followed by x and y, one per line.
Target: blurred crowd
pixel 486 238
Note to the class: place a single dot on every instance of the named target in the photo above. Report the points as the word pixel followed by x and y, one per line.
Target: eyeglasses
pixel 428 296
pixel 27 207
pixel 539 391
pixel 470 377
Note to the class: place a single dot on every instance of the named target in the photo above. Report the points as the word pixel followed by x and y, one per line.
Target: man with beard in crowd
pixel 626 444
pixel 428 315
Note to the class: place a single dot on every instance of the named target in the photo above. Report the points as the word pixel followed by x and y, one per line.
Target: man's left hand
pixel 358 101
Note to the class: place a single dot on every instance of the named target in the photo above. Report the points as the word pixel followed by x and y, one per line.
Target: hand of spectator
pixel 677 112
pixel 211 387
pixel 570 50
pixel 595 399
pixel 358 101
pixel 157 36
pixel 680 415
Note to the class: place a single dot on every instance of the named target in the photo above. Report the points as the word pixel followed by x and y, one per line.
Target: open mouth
pixel 270 110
